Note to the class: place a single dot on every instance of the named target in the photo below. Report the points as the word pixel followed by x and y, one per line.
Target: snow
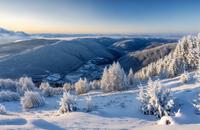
pixel 166 120
pixel 115 110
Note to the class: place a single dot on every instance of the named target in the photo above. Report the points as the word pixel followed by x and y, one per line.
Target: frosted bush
pixel 82 86
pixel 156 99
pixel 31 100
pixel 9 96
pixel 25 84
pixel 67 103
pixel 8 84
pixel 2 109
pixel 185 77
pixel 49 91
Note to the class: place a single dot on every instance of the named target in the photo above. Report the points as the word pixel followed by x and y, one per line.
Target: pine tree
pixel 156 99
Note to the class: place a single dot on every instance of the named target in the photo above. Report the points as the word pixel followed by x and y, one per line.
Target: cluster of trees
pixel 113 79
pixel 184 58
pixel 68 103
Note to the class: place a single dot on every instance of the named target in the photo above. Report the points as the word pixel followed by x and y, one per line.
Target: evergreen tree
pixel 156 99
pixel 114 78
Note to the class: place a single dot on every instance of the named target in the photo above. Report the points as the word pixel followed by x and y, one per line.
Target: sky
pixel 100 16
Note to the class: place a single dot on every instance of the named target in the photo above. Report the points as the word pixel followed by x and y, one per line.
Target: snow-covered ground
pixel 117 110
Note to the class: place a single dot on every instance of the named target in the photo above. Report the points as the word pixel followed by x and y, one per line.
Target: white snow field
pixel 117 110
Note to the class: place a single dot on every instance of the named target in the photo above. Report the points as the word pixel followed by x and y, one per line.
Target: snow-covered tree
pixel 156 99
pixel 9 96
pixel 2 109
pixel 82 86
pixel 114 78
pixel 31 100
pixel 25 84
pixel 67 103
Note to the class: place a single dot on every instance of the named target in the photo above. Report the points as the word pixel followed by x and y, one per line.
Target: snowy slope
pixel 119 110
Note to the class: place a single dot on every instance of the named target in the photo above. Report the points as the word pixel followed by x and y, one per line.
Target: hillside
pixel 41 57
pixel 135 44
pixel 137 60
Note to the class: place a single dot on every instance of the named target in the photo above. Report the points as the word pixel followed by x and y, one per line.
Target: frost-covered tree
pixel 25 84
pixel 82 86
pixel 114 78
pixel 31 100
pixel 156 99
pixel 2 109
pixel 67 103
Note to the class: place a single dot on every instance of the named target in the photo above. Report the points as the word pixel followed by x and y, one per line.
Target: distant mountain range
pixel 7 36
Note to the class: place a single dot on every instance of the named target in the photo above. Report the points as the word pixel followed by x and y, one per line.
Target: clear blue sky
pixel 101 16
